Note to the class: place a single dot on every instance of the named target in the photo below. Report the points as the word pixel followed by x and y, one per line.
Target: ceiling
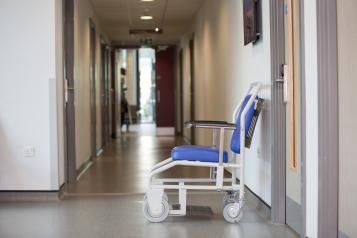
pixel 118 16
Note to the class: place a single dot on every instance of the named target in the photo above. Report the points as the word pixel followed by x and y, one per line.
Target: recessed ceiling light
pixel 146 17
pixel 157 29
pixel 147 0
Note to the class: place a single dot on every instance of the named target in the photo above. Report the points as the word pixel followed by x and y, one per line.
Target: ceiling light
pixel 146 17
pixel 147 0
pixel 157 29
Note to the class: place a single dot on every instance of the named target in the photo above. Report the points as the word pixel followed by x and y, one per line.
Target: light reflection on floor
pixel 125 165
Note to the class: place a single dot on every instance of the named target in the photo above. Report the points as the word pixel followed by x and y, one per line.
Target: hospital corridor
pixel 178 118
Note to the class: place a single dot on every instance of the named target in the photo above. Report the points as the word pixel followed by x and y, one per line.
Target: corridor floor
pixel 125 164
pixel 107 201
pixel 122 217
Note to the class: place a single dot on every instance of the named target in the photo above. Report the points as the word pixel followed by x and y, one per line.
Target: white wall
pixel 347 67
pixel 83 13
pixel 311 118
pixel 28 95
pixel 224 68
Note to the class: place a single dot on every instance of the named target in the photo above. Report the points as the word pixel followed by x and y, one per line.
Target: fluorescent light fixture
pixel 146 17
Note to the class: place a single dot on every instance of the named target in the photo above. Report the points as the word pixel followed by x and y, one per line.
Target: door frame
pixel 192 86
pixel 278 121
pixel 180 92
pixel 113 94
pixel 328 146
pixel 93 111
pixel 326 16
pixel 104 99
pixel 69 98
pixel 303 115
pixel 278 167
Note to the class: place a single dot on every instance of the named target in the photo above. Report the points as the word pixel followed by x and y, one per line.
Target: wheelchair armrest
pixel 210 124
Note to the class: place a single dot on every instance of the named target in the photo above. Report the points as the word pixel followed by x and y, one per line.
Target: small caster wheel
pixel 156 217
pixel 232 213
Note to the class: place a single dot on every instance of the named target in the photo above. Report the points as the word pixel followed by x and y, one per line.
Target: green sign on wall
pixel 147 41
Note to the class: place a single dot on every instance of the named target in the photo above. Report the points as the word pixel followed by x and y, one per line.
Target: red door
pixel 165 98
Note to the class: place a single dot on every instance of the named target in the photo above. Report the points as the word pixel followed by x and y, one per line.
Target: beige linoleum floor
pixel 122 217
pixel 125 163
pixel 95 207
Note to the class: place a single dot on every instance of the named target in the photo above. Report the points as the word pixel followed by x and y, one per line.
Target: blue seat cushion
pixel 197 153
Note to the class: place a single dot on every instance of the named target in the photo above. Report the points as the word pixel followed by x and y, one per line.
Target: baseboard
pixel 186 140
pixel 165 131
pixel 342 235
pixel 293 218
pixel 84 167
pixel 29 196
pixel 256 202
pixel 100 152
pixel 62 191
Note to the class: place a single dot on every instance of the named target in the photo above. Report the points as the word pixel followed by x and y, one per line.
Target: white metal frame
pixel 156 188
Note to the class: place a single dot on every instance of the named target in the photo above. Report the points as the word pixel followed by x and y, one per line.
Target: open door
pixel 165 86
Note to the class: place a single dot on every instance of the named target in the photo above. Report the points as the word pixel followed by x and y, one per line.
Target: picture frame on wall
pixel 250 21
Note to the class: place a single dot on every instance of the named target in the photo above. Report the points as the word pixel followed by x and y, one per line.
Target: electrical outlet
pixel 29 151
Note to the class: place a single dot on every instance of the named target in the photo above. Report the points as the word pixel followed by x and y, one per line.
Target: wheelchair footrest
pixel 193 210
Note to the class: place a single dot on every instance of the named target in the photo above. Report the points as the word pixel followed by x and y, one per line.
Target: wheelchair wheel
pixel 156 217
pixel 164 197
pixel 231 214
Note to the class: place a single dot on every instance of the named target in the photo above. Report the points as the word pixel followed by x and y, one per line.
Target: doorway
pixel 165 88
pixel 180 122
pixel 104 93
pixel 138 89
pixel 293 112
pixel 70 125
pixel 192 87
pixel 287 186
pixel 147 85
pixel 93 113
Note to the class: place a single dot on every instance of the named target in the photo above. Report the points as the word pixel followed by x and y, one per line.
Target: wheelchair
pixel 156 204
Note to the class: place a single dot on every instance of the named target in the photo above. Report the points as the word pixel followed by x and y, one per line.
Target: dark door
pixel 104 98
pixel 114 108
pixel 192 87
pixel 70 128
pixel 93 91
pixel 180 96
pixel 165 86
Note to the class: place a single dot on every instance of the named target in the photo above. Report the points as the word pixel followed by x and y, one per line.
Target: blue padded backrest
pixel 235 141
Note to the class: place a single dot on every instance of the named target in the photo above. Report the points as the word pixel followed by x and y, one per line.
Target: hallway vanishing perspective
pixel 125 164
pixel 178 118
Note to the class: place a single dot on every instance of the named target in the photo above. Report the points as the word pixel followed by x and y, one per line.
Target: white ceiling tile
pixel 118 16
